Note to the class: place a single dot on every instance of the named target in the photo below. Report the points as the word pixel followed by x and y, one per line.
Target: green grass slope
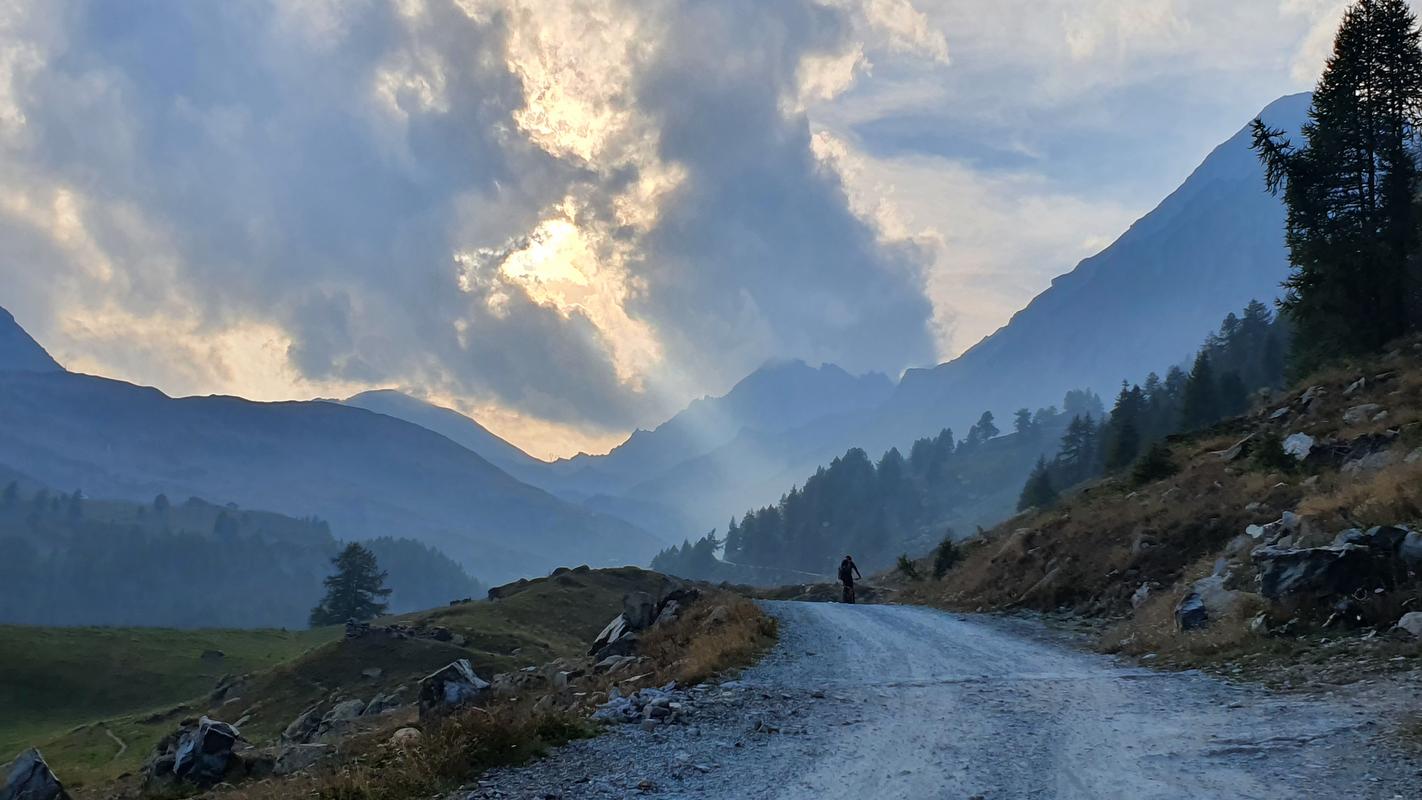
pixel 54 680
pixel 76 693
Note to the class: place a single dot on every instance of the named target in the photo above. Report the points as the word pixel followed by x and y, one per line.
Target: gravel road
pixel 904 702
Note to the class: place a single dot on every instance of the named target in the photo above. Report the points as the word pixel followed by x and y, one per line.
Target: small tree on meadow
pixel 354 591
pixel 1155 465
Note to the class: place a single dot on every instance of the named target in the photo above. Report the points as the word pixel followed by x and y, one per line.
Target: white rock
pixel 1299 445
pixel 1412 623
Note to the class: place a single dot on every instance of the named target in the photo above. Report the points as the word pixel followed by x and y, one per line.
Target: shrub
pixel 1155 465
pixel 907 568
pixel 1268 454
pixel 944 557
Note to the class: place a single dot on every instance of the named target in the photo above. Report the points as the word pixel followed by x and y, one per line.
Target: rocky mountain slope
pixel 367 474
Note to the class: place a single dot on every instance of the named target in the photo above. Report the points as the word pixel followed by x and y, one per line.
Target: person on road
pixel 848 571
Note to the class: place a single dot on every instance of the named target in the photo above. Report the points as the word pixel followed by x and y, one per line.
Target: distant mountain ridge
pixel 369 474
pixel 451 424
pixel 19 351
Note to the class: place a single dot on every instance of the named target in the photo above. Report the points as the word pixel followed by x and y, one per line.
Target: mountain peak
pixel 19 352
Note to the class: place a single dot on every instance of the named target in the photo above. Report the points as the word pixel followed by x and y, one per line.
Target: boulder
pixel 1361 413
pixel 1299 445
pixel 300 757
pixel 381 703
pixel 30 778
pixel 304 727
pixel 1207 599
pixel 624 645
pixel 199 753
pixel 1317 571
pixel 343 711
pixel 1190 613
pixel 614 631
pixel 452 686
pixel 1140 595
pixel 1411 622
pixel 1410 551
pixel 406 738
pixel 639 610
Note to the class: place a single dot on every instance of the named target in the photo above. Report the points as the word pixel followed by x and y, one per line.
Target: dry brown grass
pixel 694 648
pixel 450 752
pixel 1382 497
pixel 719 633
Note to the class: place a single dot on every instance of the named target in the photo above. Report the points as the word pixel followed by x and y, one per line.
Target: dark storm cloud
pixel 319 167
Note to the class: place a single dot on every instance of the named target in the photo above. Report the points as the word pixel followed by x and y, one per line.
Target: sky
pixel 568 218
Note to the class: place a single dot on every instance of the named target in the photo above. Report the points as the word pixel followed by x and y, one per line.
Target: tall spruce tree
pixel 354 591
pixel 1038 491
pixel 1350 188
pixel 1200 404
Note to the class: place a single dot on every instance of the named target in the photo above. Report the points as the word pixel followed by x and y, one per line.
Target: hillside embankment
pixel 1283 546
pixel 404 706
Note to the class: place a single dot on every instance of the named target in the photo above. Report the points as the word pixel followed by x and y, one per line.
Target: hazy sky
pixel 568 218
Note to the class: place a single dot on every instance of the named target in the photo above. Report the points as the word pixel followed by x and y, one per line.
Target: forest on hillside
pixel 72 560
pixel 877 509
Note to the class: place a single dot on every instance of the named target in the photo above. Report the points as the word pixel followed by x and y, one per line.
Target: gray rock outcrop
pixel 30 778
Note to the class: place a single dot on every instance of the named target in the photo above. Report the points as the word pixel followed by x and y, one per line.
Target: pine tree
pixel 1022 421
pixel 1349 189
pixel 1200 405
pixel 1038 492
pixel 1233 395
pixel 354 590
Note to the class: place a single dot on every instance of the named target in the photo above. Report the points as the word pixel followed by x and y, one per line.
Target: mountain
pixel 368 474
pixel 1143 303
pixel 779 396
pixel 18 351
pixel 1146 301
pixel 453 425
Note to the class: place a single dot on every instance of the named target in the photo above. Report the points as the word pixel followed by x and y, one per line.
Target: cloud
pixel 573 214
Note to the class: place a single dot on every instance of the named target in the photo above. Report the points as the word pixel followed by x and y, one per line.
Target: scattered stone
pixel 30 778
pixel 1355 386
pixel 614 631
pixel 452 686
pixel 719 615
pixel 372 673
pixel 212 655
pixel 406 738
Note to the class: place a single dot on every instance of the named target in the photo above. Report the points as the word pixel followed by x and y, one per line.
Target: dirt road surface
pixel 904 702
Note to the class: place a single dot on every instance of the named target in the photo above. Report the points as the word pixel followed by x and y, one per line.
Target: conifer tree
pixel 1038 491
pixel 1199 406
pixel 354 591
pixel 1350 187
